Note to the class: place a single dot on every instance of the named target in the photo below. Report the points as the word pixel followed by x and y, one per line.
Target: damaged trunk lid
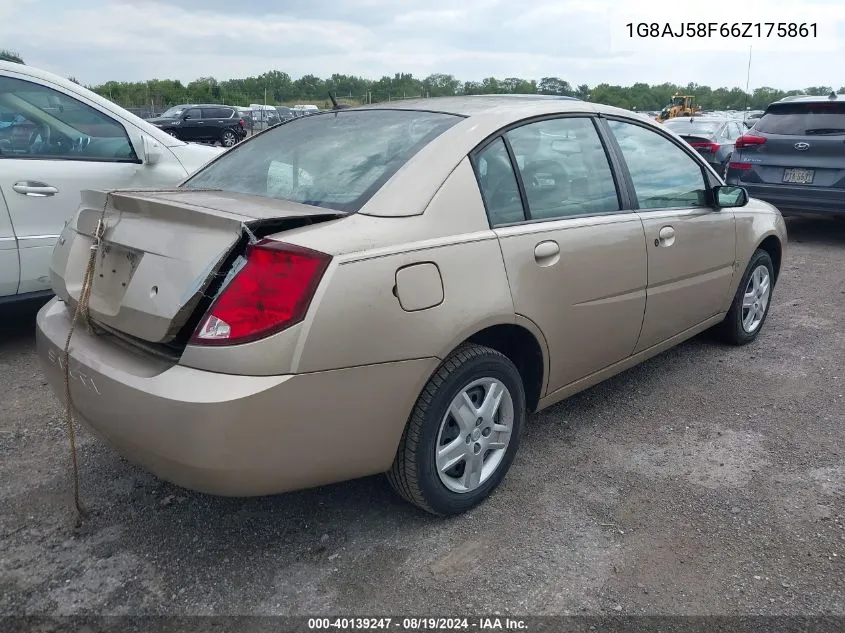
pixel 164 254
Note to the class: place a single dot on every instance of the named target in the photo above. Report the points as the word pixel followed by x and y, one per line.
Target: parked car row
pixel 56 139
pixel 228 125
pixel 504 253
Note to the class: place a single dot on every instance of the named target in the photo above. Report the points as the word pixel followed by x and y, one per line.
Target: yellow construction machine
pixel 681 105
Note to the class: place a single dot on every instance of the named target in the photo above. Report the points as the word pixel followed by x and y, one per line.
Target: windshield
pixel 336 160
pixel 799 119
pixel 692 128
pixel 172 113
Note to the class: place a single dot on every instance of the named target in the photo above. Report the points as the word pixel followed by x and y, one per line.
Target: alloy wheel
pixel 758 291
pixel 228 139
pixel 474 435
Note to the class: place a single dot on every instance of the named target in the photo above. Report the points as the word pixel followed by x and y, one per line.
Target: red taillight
pixel 749 140
pixel 710 147
pixel 270 293
pixel 741 166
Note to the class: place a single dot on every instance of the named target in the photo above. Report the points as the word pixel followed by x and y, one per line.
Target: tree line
pixel 276 87
pixel 10 56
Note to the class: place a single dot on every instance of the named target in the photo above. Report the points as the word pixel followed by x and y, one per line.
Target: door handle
pixel 38 189
pixel 666 236
pixel 547 253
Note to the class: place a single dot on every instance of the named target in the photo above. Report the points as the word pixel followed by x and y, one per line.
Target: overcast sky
pixel 577 40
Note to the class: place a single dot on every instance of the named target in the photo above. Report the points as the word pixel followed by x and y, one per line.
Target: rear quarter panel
pixel 360 321
pixel 357 317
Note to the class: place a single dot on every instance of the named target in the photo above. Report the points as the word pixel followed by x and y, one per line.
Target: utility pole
pixel 748 82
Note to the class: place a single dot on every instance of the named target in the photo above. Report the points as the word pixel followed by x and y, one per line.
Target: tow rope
pixel 81 311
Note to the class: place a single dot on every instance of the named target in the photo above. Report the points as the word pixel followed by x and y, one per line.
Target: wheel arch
pixel 773 246
pixel 524 344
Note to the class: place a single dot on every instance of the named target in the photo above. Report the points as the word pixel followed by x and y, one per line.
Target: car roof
pixel 828 98
pixel 504 107
pixel 200 105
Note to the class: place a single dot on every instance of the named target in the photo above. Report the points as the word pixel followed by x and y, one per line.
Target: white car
pixel 57 139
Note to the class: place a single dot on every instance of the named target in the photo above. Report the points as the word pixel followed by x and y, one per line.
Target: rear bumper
pixel 232 435
pixel 797 199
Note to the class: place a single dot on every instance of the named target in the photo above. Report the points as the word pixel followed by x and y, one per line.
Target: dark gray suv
pixel 794 156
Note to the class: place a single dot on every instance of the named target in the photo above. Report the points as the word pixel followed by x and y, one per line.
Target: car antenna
pixel 335 104
pixel 747 83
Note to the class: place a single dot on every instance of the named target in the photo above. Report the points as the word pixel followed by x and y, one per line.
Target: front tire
pixel 463 433
pixel 751 303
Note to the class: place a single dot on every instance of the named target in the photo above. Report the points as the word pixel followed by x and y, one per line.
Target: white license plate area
pixel 798 176
pixel 114 269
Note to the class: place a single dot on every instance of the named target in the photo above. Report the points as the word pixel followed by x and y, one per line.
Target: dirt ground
pixel 710 480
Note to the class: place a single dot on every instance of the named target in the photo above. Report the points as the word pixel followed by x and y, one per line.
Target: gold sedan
pixel 393 288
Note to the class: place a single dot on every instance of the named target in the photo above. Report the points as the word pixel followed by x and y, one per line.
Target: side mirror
pixel 153 150
pixel 728 197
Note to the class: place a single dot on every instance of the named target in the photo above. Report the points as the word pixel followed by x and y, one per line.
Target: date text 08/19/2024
pixel 417 624
pixel 749 30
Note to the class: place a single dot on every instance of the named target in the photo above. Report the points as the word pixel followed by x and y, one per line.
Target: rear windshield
pixel 803 118
pixel 336 160
pixel 696 128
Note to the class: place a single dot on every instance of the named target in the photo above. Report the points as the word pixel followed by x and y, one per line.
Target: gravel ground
pixel 709 480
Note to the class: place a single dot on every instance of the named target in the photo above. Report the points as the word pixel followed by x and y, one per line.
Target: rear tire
pixel 455 450
pixel 228 138
pixel 751 303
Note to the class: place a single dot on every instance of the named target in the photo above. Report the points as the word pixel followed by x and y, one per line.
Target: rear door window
pixel 800 119
pixel 564 168
pixel 499 187
pixel 337 160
